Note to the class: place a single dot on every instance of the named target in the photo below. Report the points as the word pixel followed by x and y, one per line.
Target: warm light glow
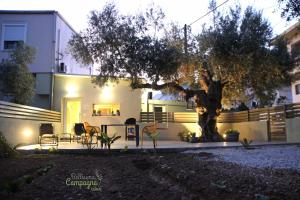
pixel 224 136
pixel 27 132
pixel 71 90
pixel 107 93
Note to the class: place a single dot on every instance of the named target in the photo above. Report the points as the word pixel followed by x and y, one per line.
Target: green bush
pixel 5 148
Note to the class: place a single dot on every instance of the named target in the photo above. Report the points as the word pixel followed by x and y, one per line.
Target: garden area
pixel 249 172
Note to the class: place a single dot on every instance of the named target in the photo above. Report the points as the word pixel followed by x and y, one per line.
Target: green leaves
pixel 124 46
pixel 17 82
pixel 237 49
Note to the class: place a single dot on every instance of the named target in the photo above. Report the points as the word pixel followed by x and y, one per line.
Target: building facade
pixel 49 33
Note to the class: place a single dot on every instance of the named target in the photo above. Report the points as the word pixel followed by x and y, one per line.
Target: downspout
pixel 54 59
pixel 52 91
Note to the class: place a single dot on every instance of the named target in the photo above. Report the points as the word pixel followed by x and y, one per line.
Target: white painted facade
pixel 49 33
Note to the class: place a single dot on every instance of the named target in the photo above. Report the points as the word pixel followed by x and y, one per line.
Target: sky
pixel 181 11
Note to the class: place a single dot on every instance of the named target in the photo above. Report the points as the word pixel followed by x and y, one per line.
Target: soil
pixel 143 176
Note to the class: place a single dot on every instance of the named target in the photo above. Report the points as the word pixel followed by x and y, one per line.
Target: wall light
pixel 107 93
pixel 72 90
pixel 27 132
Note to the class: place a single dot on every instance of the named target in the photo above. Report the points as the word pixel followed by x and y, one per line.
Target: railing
pixel 17 111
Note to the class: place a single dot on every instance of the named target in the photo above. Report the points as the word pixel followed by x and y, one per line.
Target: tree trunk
pixel 208 107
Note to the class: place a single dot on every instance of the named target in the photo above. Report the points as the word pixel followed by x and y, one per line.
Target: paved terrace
pixel 168 146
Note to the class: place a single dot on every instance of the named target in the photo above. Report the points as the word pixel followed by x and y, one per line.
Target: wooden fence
pixel 275 116
pixel 17 111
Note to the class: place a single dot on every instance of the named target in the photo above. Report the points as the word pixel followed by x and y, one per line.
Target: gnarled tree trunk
pixel 208 106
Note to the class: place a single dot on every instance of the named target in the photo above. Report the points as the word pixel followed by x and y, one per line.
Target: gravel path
pixel 283 157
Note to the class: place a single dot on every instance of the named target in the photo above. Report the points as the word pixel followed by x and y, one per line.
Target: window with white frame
pixel 297 88
pixel 12 35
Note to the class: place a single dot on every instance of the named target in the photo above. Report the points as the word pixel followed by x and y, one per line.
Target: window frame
pixel 3 27
pixel 297 91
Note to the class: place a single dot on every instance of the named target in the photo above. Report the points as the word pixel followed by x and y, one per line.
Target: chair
pixel 47 134
pixel 130 128
pixel 91 130
pixel 80 131
pixel 150 130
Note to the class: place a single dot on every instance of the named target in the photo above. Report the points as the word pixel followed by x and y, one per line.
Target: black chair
pixel 46 135
pixel 80 131
pixel 130 132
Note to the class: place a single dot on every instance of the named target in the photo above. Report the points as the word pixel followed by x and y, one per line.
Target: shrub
pixel 5 148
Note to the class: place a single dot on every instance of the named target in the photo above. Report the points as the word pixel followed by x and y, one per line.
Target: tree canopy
pixel 240 49
pixel 237 50
pixel 290 9
pixel 17 83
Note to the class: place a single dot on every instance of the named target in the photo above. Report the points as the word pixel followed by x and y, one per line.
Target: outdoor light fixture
pixel 107 93
pixel 71 90
pixel 27 132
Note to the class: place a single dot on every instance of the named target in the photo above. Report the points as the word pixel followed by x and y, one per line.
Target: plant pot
pixel 232 137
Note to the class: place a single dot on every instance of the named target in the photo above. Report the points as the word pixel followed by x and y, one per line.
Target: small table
pixel 67 136
pixel 137 130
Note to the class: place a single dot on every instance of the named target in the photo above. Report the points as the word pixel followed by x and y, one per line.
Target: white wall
pixel 67 86
pixel 256 130
pixel 63 34
pixel 293 130
pixel 19 131
pixel 296 97
pixel 40 31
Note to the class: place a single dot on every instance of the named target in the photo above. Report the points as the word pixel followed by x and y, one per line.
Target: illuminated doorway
pixel 72 110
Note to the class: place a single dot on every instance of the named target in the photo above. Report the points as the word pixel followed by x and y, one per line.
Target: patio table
pixel 137 130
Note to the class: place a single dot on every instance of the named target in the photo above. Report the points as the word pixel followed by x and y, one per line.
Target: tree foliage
pixel 239 49
pixel 290 9
pixel 17 83
pixel 123 47
pixel 236 50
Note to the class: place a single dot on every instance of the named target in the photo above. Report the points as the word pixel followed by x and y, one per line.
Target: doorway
pixel 72 110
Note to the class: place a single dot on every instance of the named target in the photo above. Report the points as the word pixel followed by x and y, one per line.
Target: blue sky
pixel 181 11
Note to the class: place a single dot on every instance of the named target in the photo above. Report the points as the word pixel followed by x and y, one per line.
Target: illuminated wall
pixel 120 96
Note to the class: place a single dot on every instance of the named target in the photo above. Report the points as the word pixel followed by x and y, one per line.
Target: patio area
pixel 167 145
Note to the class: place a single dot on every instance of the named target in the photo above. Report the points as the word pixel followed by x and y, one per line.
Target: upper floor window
pixel 297 88
pixel 296 50
pixel 12 34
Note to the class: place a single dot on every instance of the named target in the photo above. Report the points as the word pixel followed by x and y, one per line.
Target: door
pixel 72 110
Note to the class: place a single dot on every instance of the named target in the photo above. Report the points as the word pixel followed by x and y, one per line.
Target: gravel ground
pixel 277 157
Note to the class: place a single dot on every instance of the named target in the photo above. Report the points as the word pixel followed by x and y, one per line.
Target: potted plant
pixel 231 135
pixel 193 138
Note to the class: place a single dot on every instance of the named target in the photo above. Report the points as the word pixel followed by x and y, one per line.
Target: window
pixel 296 51
pixel 12 34
pixel 297 88
pixel 106 109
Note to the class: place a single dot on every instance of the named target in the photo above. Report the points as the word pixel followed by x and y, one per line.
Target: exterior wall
pixel 256 130
pixel 40 31
pixel 285 91
pixel 80 87
pixel 296 97
pixel 167 106
pixel 293 130
pixel 63 34
pixel 19 131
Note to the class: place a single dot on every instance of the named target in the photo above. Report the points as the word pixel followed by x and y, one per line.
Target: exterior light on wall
pixel 71 90
pixel 107 93
pixel 27 132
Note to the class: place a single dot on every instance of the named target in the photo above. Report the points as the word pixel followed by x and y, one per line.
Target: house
pixel 48 32
pixel 292 36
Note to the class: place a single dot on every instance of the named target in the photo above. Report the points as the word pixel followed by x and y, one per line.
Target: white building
pixel 49 33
